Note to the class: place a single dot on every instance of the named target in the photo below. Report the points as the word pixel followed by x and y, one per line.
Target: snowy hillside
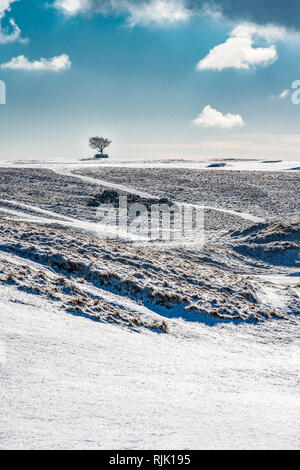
pixel 110 344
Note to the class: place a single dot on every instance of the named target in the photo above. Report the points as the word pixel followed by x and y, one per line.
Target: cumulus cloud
pixel 144 12
pixel 210 117
pixel 240 52
pixel 55 64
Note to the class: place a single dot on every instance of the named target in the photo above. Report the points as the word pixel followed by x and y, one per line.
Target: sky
pixel 160 78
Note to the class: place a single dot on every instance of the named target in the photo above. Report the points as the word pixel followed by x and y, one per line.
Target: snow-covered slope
pixel 67 382
pixel 106 344
pixel 210 285
pixel 277 243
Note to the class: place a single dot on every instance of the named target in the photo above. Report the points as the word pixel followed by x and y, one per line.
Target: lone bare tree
pixel 99 143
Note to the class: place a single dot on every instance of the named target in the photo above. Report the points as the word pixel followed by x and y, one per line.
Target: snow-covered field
pixel 105 344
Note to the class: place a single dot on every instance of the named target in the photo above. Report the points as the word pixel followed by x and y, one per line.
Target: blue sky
pixel 161 78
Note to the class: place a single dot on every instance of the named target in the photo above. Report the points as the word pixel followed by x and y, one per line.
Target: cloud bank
pixel 261 12
pixel 210 117
pixel 159 12
pixel 55 64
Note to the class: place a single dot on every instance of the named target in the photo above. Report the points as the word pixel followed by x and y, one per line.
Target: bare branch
pixel 99 143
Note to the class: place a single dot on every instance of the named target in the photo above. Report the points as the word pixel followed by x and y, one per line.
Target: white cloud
pixel 281 96
pixel 284 94
pixel 239 50
pixel 5 6
pixel 211 10
pixel 12 33
pixel 159 12
pixel 73 7
pixel 268 32
pixel 55 64
pixel 210 117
